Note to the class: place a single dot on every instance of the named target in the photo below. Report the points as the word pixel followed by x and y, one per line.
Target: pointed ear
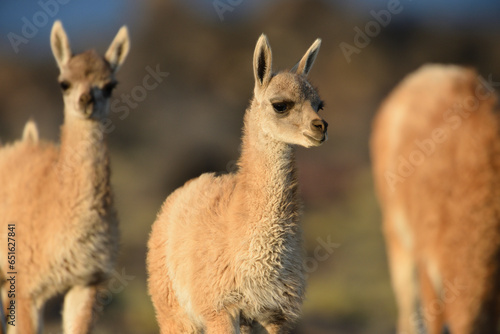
pixel 305 64
pixel 262 62
pixel 60 44
pixel 118 50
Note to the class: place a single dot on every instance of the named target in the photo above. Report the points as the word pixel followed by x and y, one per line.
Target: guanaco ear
pixel 30 132
pixel 60 44
pixel 118 50
pixel 262 62
pixel 305 64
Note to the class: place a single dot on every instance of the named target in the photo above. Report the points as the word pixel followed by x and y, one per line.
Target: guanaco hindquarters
pixel 436 158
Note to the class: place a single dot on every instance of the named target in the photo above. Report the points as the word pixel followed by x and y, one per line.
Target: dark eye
pixel 64 85
pixel 108 89
pixel 282 107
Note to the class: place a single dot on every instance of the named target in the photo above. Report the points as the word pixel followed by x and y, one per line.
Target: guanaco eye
pixel 282 107
pixel 108 89
pixel 64 85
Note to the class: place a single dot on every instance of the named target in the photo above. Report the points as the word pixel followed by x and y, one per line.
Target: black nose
pixel 319 124
pixel 86 99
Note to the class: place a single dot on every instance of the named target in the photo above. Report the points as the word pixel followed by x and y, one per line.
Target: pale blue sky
pixel 98 20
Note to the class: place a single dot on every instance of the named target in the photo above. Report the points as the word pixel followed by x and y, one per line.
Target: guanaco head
pixel 87 79
pixel 288 104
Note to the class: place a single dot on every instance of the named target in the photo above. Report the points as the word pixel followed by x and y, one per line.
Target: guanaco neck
pixel 83 165
pixel 267 182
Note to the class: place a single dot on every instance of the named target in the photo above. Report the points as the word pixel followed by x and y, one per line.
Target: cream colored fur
pixel 59 197
pixel 225 253
pixel 441 221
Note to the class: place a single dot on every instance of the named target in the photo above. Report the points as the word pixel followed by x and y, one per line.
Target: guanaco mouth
pixel 323 138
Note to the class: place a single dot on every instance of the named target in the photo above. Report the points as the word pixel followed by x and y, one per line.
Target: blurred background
pixel 191 122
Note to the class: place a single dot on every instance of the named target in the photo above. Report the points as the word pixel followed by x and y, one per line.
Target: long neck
pixel 267 179
pixel 83 165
